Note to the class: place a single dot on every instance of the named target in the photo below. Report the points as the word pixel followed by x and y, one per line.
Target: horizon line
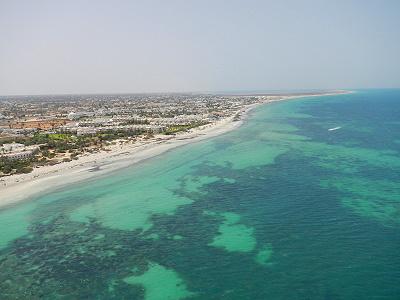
pixel 221 92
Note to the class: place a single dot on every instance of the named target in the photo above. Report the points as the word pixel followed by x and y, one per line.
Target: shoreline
pixel 20 187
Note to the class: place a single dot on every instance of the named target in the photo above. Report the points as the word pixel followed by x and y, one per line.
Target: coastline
pixel 21 187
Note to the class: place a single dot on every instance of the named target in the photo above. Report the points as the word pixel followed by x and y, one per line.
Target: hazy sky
pixel 152 46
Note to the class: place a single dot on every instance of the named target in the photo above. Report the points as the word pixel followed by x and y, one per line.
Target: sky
pixel 72 47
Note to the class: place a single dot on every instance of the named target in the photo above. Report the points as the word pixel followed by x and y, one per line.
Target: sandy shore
pixel 44 179
pixel 19 187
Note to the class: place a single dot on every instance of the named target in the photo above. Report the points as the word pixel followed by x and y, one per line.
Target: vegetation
pixel 10 166
pixel 178 128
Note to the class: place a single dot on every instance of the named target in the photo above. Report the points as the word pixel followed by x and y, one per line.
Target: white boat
pixel 335 128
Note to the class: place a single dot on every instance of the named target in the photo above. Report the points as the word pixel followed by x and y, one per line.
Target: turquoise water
pixel 281 208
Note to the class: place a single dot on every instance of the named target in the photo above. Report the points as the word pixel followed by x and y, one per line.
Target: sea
pixel 301 202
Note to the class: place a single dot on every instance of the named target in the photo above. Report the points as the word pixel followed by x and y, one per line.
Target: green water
pixel 281 208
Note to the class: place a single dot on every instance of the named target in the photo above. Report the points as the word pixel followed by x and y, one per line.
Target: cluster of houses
pixel 17 151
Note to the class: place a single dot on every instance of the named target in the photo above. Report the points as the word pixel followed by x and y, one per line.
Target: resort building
pixel 11 147
pixel 19 155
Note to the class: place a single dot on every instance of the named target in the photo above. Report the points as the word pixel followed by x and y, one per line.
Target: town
pixel 47 130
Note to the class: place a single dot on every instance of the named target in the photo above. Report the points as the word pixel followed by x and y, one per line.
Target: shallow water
pixel 281 208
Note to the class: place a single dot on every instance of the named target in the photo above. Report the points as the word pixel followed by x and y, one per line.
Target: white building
pixel 17 151
pixel 77 115
pixel 86 130
pixel 12 147
pixel 19 155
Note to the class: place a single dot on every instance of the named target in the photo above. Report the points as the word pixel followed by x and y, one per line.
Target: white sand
pixel 47 178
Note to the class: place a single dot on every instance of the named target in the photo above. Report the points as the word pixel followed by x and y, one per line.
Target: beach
pixel 16 188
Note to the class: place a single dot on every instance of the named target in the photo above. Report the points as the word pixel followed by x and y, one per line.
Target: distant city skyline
pixel 96 47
